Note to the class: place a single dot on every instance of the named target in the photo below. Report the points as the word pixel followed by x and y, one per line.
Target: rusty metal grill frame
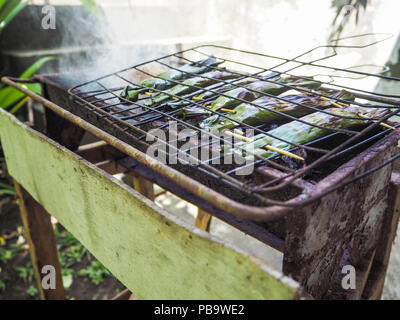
pixel 86 100
pixel 100 106
pixel 275 208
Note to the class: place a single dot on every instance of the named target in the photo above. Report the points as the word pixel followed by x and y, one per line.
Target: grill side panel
pixel 340 229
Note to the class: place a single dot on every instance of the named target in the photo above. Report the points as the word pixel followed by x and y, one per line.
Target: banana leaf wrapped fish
pixel 187 109
pixel 130 93
pixel 300 133
pixel 242 93
pixel 230 99
pixel 295 105
pixel 205 93
pixel 187 86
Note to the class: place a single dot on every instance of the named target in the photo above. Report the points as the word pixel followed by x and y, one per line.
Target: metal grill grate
pixel 321 156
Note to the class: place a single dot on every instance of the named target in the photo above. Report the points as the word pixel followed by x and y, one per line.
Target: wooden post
pixel 146 188
pixel 203 220
pixel 39 234
pixel 143 186
pixel 125 295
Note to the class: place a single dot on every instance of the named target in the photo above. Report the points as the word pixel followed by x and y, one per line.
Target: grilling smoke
pixel 135 31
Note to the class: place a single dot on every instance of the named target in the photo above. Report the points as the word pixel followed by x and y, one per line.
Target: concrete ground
pixel 187 212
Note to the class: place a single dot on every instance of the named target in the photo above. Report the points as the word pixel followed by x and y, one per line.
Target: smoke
pixel 136 31
pixel 129 32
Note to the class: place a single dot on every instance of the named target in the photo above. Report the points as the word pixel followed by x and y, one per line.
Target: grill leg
pixel 125 295
pixel 143 186
pixel 42 243
pixel 203 220
pixel 376 279
pixel 362 271
pixel 146 188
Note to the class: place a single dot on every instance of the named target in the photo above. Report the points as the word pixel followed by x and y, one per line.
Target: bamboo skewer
pixel 228 110
pixel 281 151
pixel 245 139
pixel 239 132
pixel 240 135
pixel 382 123
pixel 341 105
pixel 336 104
pixel 284 152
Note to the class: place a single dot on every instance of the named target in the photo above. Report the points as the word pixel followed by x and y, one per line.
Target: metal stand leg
pixel 376 279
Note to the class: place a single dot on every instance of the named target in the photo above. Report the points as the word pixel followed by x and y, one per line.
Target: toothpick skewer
pixel 341 105
pixel 239 132
pixel 325 98
pixel 228 110
pixel 245 139
pixel 336 104
pixel 284 152
pixel 382 123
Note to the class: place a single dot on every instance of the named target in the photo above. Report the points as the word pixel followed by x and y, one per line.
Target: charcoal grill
pixel 257 197
pixel 339 201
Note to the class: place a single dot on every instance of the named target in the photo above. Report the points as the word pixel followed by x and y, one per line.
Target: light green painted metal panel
pixel 152 252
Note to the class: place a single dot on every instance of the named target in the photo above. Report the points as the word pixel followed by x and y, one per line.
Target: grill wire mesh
pixel 322 155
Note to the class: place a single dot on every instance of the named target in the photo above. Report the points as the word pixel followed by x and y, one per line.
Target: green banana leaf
pixel 294 105
pixel 182 73
pixel 229 100
pixel 205 94
pixel 187 86
pixel 9 96
pixel 301 133
pixel 9 9
pixel 8 192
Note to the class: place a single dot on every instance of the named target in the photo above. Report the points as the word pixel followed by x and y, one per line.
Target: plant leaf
pixel 9 96
pixel 7 8
pixel 35 67
pixel 92 6
pixel 8 192
pixel 10 11
pixel 6 186
pixel 2 2
pixel 67 281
